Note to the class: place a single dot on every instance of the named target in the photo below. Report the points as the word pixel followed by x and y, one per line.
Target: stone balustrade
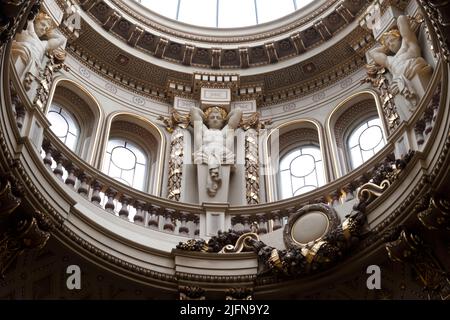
pixel 115 198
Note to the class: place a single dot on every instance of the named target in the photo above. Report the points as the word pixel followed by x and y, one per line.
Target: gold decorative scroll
pixel 241 243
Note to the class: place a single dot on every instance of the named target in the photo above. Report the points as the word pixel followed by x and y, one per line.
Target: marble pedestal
pixel 202 180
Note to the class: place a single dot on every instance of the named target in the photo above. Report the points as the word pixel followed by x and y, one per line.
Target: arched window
pixel 301 170
pixel 64 126
pixel 126 162
pixel 364 141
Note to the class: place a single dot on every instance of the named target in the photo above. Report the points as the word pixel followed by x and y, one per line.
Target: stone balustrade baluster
pixel 246 223
pixel 334 197
pixel 168 220
pixel 435 108
pixel 153 221
pixel 71 174
pixel 18 109
pixel 48 149
pixel 428 118
pixel 262 223
pixel 419 129
pixel 184 230
pixel 124 212
pixel 96 189
pixel 139 217
pixel 197 226
pixel 276 220
pixel 59 170
pixel 110 194
pixel 20 116
pixel 83 188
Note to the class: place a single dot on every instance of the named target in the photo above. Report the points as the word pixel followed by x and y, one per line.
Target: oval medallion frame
pixel 333 221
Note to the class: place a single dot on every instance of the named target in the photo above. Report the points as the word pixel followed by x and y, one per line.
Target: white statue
pixel 214 141
pixel 400 53
pixel 35 41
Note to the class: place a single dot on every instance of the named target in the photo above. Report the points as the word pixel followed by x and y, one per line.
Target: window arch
pixel 301 170
pixel 132 152
pixel 64 125
pixel 84 111
pixel 347 117
pixel 126 162
pixel 364 141
pixel 301 161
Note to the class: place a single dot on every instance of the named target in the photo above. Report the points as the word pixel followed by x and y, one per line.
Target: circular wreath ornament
pixel 309 225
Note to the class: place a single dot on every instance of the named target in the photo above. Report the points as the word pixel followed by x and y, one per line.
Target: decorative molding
pixel 296 136
pixel 361 110
pixel 376 76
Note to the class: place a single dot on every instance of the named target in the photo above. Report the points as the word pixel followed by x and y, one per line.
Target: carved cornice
pixel 302 20
pixel 301 35
pixel 142 77
pixel 214 279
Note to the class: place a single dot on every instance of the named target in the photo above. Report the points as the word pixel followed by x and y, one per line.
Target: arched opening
pixel 132 152
pixel 74 116
pixel 300 164
pixel 356 130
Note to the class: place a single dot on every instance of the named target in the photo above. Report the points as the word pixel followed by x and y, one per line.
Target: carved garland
pixel 322 253
pixel 376 76
pixel 251 167
pixel 175 165
pixel 175 124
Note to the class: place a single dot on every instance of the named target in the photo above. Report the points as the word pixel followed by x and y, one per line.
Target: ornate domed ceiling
pixel 224 13
pixel 287 58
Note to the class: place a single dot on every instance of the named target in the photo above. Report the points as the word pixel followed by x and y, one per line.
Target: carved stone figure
pixel 400 53
pixel 31 45
pixel 214 141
